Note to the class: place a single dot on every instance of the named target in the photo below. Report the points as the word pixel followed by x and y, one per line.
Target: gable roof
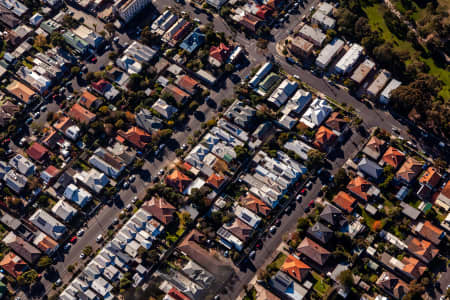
pixel 413 267
pixel 178 94
pixel 432 233
pixel 345 201
pixel 136 136
pixel 409 170
pixel 21 247
pixel 393 157
pixel 295 268
pixel 422 249
pixel 188 84
pixel 430 177
pixel 255 204
pixel 313 251
pixel 375 147
pixel 240 229
pixel 37 152
pixel 13 264
pixel 393 285
pixel 360 187
pixel 81 114
pixel 160 209
pixel 178 180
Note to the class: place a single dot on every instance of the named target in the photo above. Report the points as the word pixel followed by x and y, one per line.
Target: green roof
pixel 75 42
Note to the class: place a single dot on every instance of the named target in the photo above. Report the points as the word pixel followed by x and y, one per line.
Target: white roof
pixel 298 147
pixel 329 52
pixel 94 179
pixel 247 216
pixel 349 59
pixel 386 93
pixel 314 34
pixel 64 210
pixel 48 224
pixel 316 113
pixel 283 92
pixel 164 109
pixel 21 164
pixel 17 7
pixel 78 195
pixel 101 286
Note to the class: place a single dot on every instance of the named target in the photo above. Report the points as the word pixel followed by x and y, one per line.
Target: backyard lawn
pixel 321 287
pixel 375 15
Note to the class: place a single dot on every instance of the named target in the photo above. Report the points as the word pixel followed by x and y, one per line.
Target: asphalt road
pixel 371 117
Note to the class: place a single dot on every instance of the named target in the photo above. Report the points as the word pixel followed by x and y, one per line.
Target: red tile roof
pixel 324 138
pixel 216 180
pixel 178 94
pixel 87 99
pixel 37 152
pixel 336 122
pixel 13 264
pixel 432 233
pixel 393 157
pixel 255 204
pixel 430 177
pixel 296 268
pixel 81 114
pixel 345 201
pixel 220 53
pixel 188 84
pixel 360 187
pixel 101 85
pixel 178 180
pixel 264 11
pixel 177 295
pixel 136 136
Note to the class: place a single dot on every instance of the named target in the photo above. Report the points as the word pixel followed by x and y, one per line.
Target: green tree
pixel 87 250
pixel 341 178
pixel 27 278
pixel 44 261
pixel 316 159
pixel 345 278
pixel 242 152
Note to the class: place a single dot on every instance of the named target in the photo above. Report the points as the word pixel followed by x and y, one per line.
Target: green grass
pixel 375 15
pixel 369 220
pixel 276 264
pixel 320 287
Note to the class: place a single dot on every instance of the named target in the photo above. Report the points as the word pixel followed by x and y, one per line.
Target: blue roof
pixel 194 40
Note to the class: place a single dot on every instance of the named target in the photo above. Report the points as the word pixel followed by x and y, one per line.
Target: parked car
pixel 82 255
pixel 73 240
pixel 252 254
pixel 272 229
pixel 132 178
pixel 67 247
pixel 80 232
pixel 126 184
pixel 99 238
pixel 135 198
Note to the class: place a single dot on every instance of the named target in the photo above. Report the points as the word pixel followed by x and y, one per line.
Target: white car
pixel 132 178
pixel 135 198
pixel 82 255
pixel 273 229
pixel 126 184
pixel 99 238
pixel 297 77
pixel 80 232
pixel 161 171
pixel 43 108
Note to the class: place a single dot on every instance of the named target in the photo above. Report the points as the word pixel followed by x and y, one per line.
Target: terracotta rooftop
pixel 13 264
pixel 345 201
pixel 239 229
pixel 255 204
pixel 81 114
pixel 432 233
pixel 393 157
pixel 360 187
pixel 220 53
pixel 296 268
pixel 188 84
pixel 178 180
pixel 422 249
pixel 375 147
pixel 216 180
pixel 324 138
pixel 87 99
pixel 413 267
pixel 430 177
pixel 136 136
pixel 21 91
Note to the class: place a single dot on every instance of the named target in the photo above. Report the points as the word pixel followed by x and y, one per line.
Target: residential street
pixel 371 117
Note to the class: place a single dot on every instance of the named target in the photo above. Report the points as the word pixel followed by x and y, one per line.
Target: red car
pixel 258 245
pixel 94 59
pixel 311 204
pixel 73 239
pixel 303 192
